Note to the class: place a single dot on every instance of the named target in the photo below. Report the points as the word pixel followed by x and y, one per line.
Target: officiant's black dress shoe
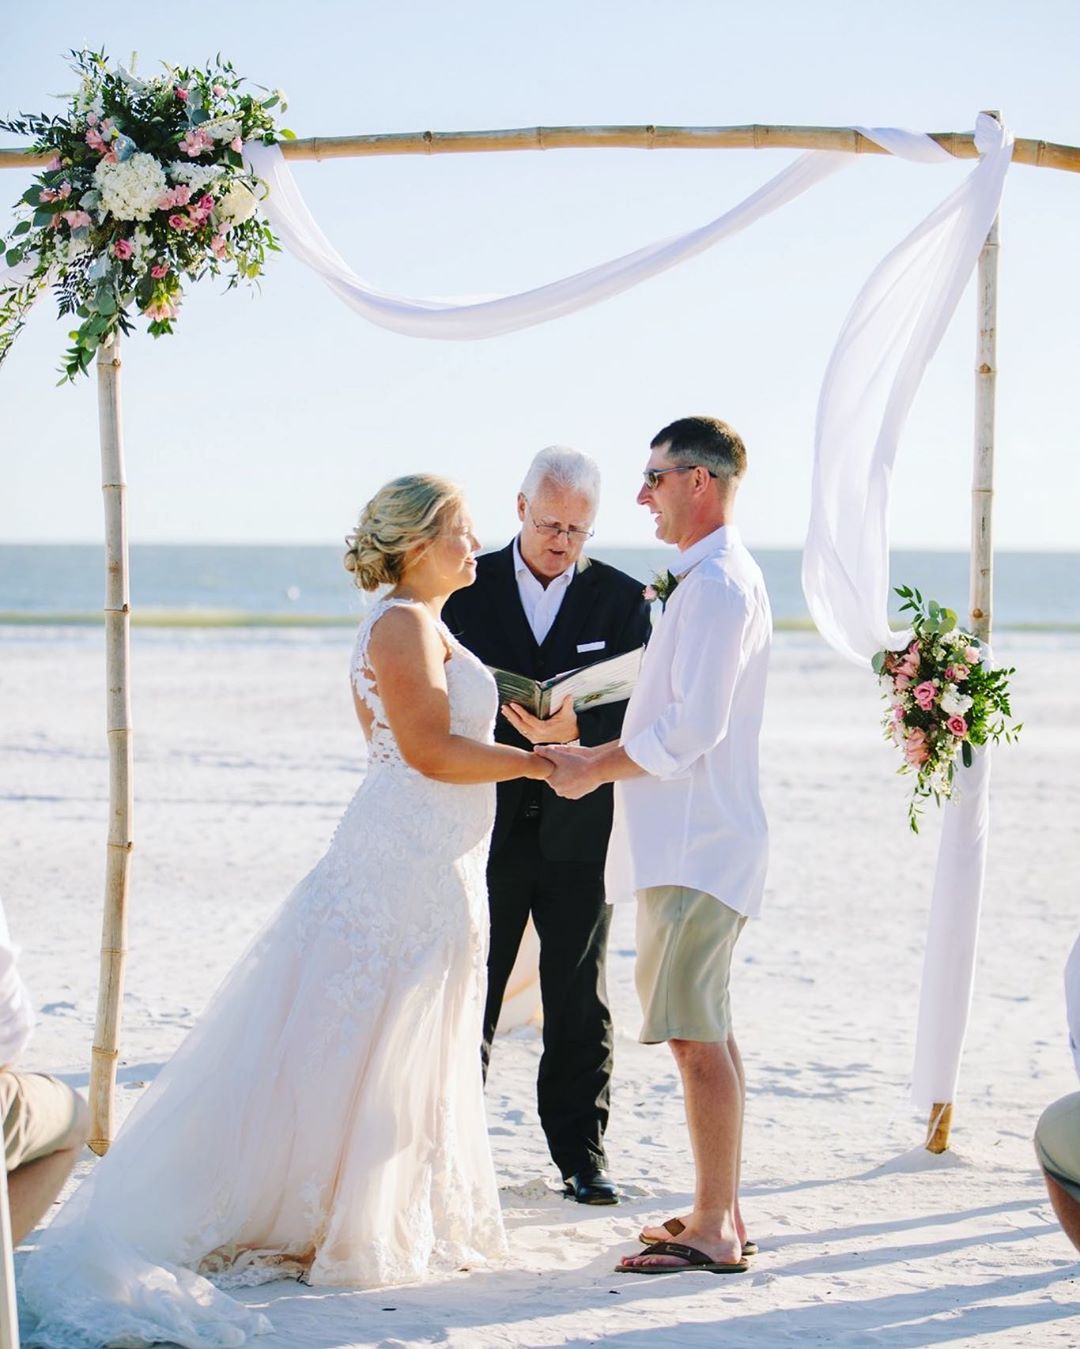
pixel 591 1185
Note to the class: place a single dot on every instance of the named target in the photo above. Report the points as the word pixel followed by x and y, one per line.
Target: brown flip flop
pixel 676 1227
pixel 697 1262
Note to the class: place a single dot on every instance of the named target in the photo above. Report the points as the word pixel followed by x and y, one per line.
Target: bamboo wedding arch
pixel 1036 153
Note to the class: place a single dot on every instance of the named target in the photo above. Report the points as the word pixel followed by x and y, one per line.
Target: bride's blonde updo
pixel 407 511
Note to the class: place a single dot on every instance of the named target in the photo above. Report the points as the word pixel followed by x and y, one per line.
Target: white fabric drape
pixel 455 320
pixel 885 345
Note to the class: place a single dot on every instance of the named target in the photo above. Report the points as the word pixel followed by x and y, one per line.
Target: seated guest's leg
pixel 45 1126
pixel 1057 1146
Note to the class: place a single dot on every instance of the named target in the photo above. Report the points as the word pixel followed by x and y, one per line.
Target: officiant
pixel 540 607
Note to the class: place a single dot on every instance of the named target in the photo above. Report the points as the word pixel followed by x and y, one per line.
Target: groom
pixel 688 766
pixel 540 607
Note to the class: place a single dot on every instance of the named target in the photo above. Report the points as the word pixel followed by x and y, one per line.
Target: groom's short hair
pixel 706 441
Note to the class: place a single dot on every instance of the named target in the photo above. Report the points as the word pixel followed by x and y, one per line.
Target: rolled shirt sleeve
pixel 713 620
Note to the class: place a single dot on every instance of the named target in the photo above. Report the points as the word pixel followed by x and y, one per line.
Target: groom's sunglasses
pixel 652 476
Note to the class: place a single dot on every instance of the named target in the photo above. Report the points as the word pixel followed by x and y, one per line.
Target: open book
pixel 608 681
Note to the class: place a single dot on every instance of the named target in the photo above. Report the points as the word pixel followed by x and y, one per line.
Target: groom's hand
pixel 575 772
pixel 557 729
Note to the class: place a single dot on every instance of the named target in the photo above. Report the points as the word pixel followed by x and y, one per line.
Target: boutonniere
pixel 662 588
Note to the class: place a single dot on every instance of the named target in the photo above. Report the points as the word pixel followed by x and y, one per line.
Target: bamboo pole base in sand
pixel 939 1127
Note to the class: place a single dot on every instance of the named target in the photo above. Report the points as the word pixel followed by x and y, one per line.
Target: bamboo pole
pixel 118 728
pixel 845 140
pixel 982 503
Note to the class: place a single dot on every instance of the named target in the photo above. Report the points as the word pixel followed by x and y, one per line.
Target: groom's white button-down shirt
pixel 693 723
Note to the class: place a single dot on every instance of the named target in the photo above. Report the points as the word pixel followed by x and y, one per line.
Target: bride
pixel 324 1119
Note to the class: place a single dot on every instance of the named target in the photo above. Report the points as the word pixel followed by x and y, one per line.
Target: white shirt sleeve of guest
pixel 1072 1001
pixel 16 1009
pixel 704 670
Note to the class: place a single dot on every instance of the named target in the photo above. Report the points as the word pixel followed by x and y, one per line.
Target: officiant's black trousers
pixel 566 900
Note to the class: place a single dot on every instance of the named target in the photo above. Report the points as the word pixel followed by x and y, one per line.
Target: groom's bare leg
pixel 659 1232
pixel 713 1090
pixel 736 1058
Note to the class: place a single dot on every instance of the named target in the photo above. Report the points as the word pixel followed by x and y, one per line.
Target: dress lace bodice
pixel 473 696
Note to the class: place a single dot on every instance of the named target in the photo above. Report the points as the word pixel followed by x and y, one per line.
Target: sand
pixel 247 752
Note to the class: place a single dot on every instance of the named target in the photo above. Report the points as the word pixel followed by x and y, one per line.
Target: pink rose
pixel 972 655
pixel 902 681
pixel 96 142
pixel 649 594
pixel 200 210
pixel 236 144
pixel 179 222
pixel 123 249
pixel 960 672
pixel 957 725
pixel 915 748
pixel 218 246
pixel 925 693
pixel 181 93
pixel 161 309
pixel 158 271
pixel 77 220
pixel 218 90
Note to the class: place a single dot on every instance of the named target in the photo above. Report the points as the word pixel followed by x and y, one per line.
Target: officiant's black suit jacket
pixel 602 604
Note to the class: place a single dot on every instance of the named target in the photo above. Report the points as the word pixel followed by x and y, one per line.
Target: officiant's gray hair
pixel 563 467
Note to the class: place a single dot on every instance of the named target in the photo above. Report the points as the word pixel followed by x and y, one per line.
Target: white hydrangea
pixel 236 205
pixel 195 176
pixel 953 702
pixel 130 190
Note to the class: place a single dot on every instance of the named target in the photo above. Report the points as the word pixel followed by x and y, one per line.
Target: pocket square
pixel 591 646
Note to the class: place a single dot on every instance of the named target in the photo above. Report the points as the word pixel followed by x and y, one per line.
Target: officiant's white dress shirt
pixel 541 603
pixel 693 722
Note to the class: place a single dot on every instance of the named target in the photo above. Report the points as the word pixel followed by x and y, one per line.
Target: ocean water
pixel 286 585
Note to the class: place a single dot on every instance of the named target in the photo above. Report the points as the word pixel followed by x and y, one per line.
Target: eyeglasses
pixel 652 476
pixel 551 530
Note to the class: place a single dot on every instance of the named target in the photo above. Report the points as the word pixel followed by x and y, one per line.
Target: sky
pixel 272 416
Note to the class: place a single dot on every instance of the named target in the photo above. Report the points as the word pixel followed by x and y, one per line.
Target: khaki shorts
pixel 39 1115
pixel 685 940
pixel 1057 1142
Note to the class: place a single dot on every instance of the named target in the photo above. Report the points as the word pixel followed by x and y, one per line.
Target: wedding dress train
pixel 324 1119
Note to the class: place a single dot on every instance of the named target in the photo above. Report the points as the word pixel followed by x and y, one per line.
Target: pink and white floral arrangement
pixel 145 187
pixel 944 698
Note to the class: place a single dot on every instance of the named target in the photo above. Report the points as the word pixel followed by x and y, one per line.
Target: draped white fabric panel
pixel 885 345
pixel 455 320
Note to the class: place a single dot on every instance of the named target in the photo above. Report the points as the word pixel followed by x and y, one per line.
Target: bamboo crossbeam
pixel 846 140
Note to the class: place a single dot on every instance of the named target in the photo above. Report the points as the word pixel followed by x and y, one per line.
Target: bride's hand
pixel 538 767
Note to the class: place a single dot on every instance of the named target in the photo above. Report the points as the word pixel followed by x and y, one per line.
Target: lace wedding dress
pixel 324 1119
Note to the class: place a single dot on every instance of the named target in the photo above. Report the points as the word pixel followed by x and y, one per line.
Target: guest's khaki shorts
pixel 685 940
pixel 1057 1142
pixel 39 1115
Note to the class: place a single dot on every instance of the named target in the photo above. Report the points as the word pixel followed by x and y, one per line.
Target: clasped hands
pixel 571 774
